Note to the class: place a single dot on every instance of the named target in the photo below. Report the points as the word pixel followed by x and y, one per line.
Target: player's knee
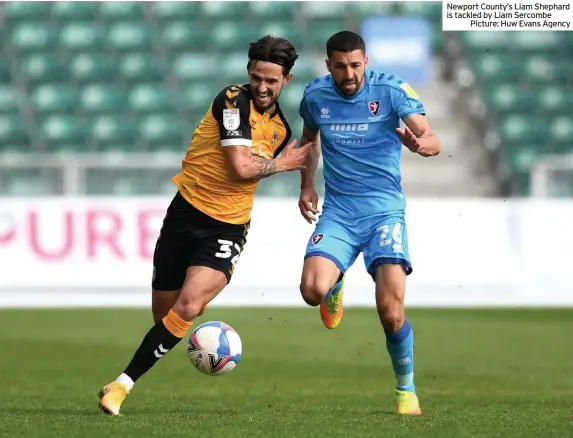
pixel 391 313
pixel 313 290
pixel 188 309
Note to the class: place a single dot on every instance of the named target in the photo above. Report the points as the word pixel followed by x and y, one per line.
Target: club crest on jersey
pixel 316 238
pixel 374 107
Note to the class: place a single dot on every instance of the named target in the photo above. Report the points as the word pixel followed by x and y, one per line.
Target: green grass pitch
pixel 479 373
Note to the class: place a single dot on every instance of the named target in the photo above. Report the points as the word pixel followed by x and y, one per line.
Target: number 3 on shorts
pixel 226 250
pixel 395 239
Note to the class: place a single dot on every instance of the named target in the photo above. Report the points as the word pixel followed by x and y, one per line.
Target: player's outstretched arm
pixel 245 165
pixel 419 137
pixel 308 201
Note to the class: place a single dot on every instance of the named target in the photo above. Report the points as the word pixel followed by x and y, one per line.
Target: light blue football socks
pixel 400 346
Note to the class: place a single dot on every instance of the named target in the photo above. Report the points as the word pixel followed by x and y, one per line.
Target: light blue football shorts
pixel 381 239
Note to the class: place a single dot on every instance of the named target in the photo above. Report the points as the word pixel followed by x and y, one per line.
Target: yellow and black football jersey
pixel 231 120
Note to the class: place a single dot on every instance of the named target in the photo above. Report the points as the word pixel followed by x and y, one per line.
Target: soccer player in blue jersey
pixel 357 114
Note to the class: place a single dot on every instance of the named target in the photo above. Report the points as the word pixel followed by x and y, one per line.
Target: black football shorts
pixel 189 237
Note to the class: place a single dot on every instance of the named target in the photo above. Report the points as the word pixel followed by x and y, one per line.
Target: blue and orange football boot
pixel 331 309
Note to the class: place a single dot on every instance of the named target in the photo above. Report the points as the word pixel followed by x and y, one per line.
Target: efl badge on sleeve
pixel 374 107
pixel 316 238
pixel 231 119
pixel 409 90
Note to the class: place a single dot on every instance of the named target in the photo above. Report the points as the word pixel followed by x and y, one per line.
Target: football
pixel 214 348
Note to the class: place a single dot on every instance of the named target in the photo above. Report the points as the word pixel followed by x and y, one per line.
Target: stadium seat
pixel 517 128
pixel 430 10
pixel 9 100
pixel 33 37
pixel 40 68
pixel 93 68
pixel 304 69
pixel 319 33
pixel 141 68
pixel 217 10
pixel 561 133
pixel 285 30
pixel 13 134
pixel 58 130
pixel 54 98
pixel 314 10
pixel 148 98
pixel 521 156
pixel 291 96
pixel 534 41
pixel 169 10
pixel 552 100
pixel 361 10
pixel 273 10
pixel 196 98
pixel 495 66
pixel 73 11
pixel 480 41
pixel 234 68
pixel 120 11
pixel 129 36
pixel 82 37
pixel 161 130
pixel 27 182
pixel 113 134
pixel 198 66
pixel 97 98
pixel 232 35
pixel 508 97
pixel 180 35
pixel 16 11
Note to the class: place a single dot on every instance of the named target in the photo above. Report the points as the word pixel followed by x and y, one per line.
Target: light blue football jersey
pixel 360 148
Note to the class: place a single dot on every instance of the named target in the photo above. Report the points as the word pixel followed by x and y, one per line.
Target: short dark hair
pixel 345 42
pixel 273 49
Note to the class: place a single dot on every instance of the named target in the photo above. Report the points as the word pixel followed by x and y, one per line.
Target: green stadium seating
pixel 180 35
pixel 273 10
pixel 97 98
pixel 123 77
pixel 554 100
pixel 148 98
pixel 192 67
pixel 517 128
pixel 66 11
pixel 120 11
pixel 9 100
pixel 59 130
pixel 113 133
pixel 197 98
pixel 41 68
pixel 93 68
pixel 222 10
pixel 24 11
pixel 507 97
pixel 82 37
pixel 168 10
pixel 561 133
pixel 142 68
pixel 162 131
pixel 54 98
pixel 228 35
pixel 27 182
pixel 13 134
pixel 33 37
pixel 130 36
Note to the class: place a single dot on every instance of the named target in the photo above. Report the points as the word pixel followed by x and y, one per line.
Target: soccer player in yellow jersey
pixel 238 142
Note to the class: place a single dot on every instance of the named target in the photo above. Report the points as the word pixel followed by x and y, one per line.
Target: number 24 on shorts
pixel 396 236
pixel 226 250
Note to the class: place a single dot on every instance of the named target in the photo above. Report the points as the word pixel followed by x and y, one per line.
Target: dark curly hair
pixel 277 50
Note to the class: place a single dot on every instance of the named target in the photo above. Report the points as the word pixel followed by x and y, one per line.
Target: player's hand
pixel 408 139
pixel 308 204
pixel 294 158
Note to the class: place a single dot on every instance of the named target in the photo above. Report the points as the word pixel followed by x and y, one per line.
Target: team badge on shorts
pixel 316 238
pixel 374 107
